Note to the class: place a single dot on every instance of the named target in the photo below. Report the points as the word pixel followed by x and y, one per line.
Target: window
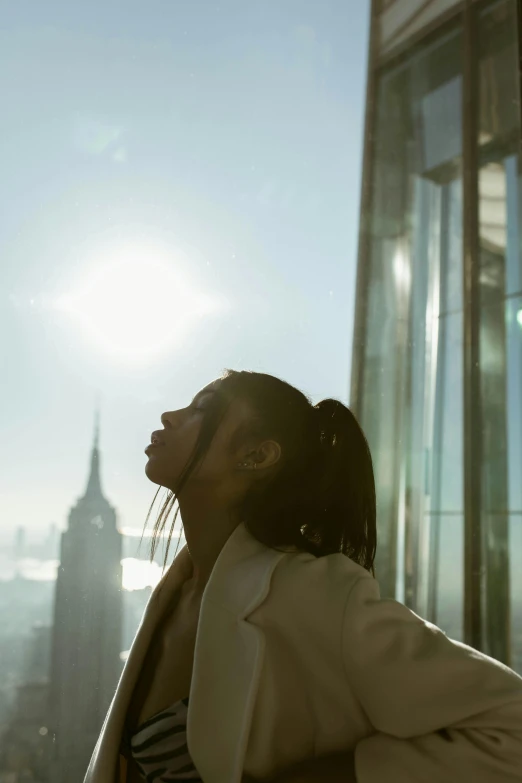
pixel 500 290
pixel 443 155
pixel 414 321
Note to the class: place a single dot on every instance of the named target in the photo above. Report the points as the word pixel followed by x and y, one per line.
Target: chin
pixel 155 474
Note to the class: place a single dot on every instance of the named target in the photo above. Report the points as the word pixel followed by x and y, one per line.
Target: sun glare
pixel 136 307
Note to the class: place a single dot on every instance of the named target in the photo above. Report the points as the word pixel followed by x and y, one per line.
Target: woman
pixel 266 653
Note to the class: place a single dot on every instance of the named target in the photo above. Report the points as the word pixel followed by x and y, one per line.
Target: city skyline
pixel 27 558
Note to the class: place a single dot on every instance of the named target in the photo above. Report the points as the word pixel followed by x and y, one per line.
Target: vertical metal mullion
pixel 363 253
pixel 519 27
pixel 473 596
pixel 439 385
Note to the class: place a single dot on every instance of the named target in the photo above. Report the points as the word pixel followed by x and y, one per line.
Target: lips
pixel 156 439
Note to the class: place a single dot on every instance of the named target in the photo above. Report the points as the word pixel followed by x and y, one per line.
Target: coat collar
pixel 228 660
pixel 228 657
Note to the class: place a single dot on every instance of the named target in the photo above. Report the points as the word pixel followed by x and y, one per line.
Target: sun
pixel 137 305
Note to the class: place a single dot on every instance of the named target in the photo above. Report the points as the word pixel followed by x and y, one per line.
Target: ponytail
pixel 322 498
pixel 345 508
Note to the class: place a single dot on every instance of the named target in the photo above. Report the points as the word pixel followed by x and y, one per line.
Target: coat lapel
pixel 228 658
pixel 104 762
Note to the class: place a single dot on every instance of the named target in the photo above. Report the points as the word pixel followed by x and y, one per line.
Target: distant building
pixel 19 543
pixel 25 742
pixel 86 646
pixel 49 549
pixel 37 656
pixel 437 350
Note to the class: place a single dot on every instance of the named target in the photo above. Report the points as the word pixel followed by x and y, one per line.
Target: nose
pixel 166 419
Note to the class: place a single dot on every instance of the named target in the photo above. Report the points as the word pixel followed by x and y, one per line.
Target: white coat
pixel 298 657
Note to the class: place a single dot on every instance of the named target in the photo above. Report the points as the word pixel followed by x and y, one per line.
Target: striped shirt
pixel 159 747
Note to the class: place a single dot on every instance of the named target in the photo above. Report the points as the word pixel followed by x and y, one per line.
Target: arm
pixel 442 711
pixel 338 768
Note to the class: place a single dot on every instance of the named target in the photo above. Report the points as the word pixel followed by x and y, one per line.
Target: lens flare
pixel 135 307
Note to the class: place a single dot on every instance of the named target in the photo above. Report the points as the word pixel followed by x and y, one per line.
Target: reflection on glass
pixel 499 227
pixel 514 402
pixel 500 350
pixel 411 392
pixel 499 119
pixel 415 285
pixel 514 225
pixel 515 540
pixel 401 19
pixel 450 575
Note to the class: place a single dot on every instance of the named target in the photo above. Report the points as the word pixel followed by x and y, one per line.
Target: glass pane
pixel 447 480
pixel 415 228
pixel 444 468
pixel 501 393
pixel 494 478
pixel 435 460
pixel 498 75
pixel 500 349
pixel 399 20
pixel 451 296
pixel 514 225
pixel 500 188
pixel 384 368
pixel 500 205
pixel 441 123
pixel 424 325
pixel 514 402
pixel 448 545
pixel 515 545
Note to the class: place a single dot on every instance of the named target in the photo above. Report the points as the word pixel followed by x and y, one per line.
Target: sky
pixel 180 194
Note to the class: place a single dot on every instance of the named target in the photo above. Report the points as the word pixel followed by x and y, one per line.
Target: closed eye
pixel 201 403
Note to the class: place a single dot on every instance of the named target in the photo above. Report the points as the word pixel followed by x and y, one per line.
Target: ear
pixel 265 456
pixel 269 454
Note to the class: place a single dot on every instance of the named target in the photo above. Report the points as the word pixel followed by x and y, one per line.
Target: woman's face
pixel 172 446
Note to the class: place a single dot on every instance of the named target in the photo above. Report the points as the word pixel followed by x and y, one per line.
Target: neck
pixel 206 531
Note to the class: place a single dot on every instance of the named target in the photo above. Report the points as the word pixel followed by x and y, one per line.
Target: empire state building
pixel 85 663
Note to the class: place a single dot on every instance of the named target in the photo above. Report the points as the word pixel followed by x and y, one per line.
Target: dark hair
pixel 321 496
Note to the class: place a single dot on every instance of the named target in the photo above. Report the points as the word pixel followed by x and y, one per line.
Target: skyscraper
pixel 86 645
pixel 437 363
pixel 19 544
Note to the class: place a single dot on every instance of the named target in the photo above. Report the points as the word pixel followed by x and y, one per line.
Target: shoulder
pixel 314 591
pixel 330 574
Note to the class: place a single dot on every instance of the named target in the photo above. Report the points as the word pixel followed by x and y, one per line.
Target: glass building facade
pixel 437 361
